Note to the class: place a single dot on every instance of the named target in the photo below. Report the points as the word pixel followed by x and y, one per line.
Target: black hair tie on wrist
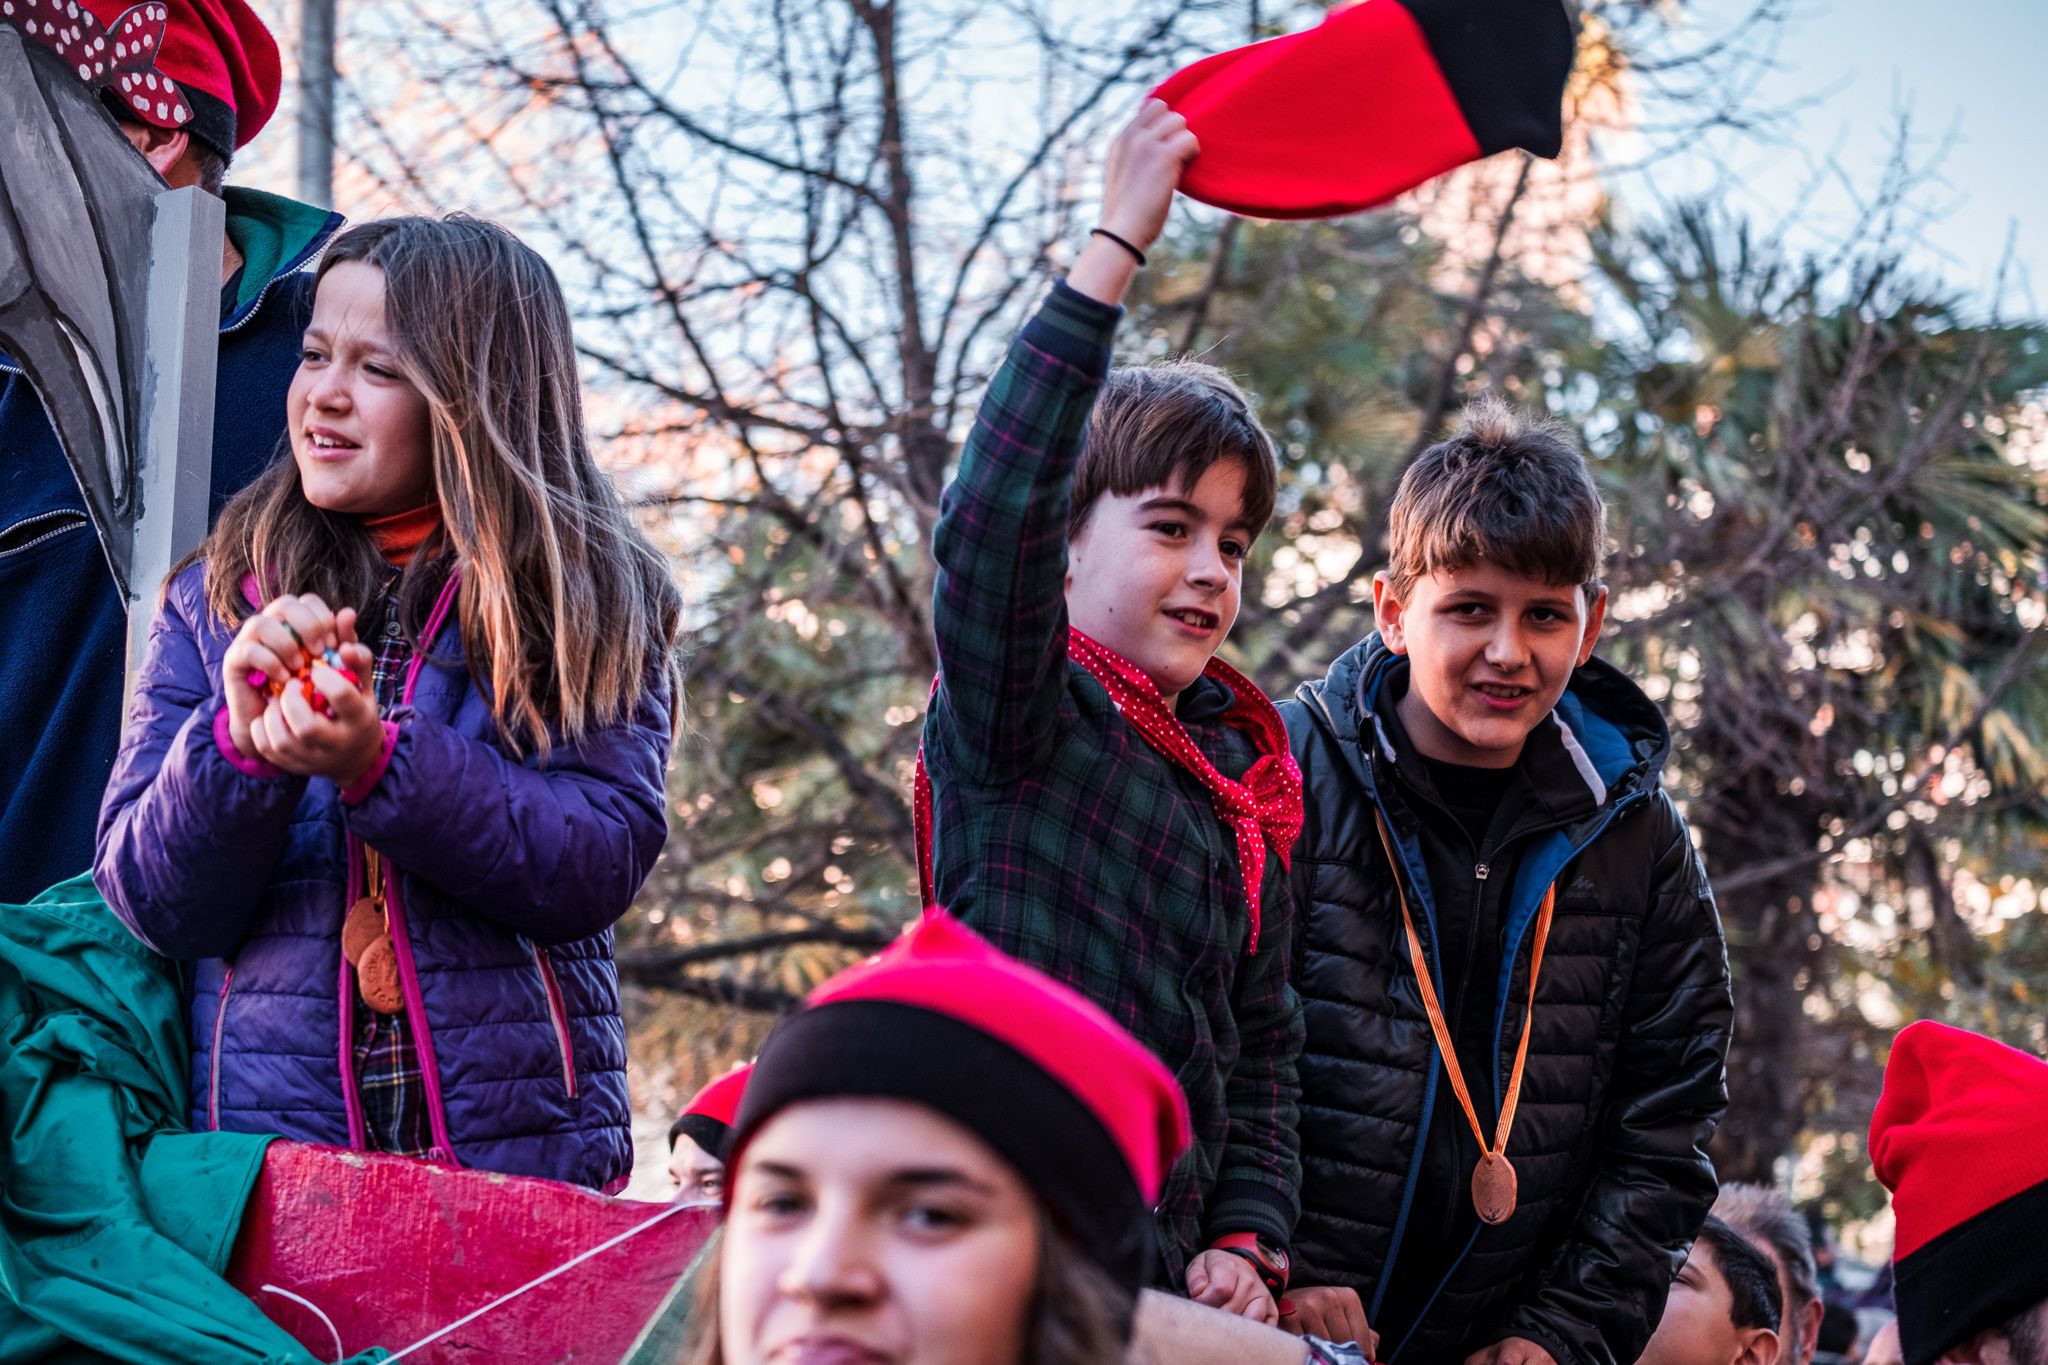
pixel 1105 232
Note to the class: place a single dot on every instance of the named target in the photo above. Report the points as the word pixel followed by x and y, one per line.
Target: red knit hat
pixel 1379 97
pixel 1089 1118
pixel 1958 1139
pixel 707 1119
pixel 208 66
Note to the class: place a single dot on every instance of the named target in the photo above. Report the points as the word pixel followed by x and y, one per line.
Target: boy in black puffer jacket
pixel 1475 743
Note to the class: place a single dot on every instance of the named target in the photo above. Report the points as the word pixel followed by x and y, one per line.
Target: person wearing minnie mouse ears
pixel 197 79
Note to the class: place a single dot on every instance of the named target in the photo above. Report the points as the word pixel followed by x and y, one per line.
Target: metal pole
pixel 316 102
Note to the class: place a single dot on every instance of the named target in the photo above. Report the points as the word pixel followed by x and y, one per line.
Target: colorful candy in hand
pixel 263 682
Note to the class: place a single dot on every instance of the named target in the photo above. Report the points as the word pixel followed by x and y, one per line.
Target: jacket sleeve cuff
pixel 1073 328
pixel 1528 1331
pixel 358 791
pixel 251 767
pixel 1247 1206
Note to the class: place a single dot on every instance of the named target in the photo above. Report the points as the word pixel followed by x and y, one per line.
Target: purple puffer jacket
pixel 506 880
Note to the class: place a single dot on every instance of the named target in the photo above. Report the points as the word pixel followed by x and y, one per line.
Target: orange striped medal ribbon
pixel 1493 1179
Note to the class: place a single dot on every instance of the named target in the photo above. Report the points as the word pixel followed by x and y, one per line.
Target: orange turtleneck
pixel 400 535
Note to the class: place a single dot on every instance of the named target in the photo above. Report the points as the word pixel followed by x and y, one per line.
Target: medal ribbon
pixel 1263 809
pixel 1442 1030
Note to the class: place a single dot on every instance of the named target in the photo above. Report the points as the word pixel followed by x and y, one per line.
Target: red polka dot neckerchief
pixel 1263 808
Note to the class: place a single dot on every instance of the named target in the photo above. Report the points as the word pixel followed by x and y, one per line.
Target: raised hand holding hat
pixel 1144 165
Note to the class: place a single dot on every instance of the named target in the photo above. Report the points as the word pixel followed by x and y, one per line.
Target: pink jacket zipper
pixel 345 996
pixel 416 1015
pixel 558 1014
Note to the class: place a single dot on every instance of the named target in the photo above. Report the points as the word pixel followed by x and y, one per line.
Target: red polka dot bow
pixel 1263 808
pixel 120 56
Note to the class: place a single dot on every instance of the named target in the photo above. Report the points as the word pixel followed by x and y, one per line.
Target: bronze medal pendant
pixel 362 927
pixel 377 977
pixel 366 943
pixel 1493 1189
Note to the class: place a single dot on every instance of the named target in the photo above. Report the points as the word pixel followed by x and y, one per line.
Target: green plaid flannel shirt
pixel 1070 842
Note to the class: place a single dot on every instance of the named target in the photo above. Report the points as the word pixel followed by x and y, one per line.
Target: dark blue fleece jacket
pixel 63 626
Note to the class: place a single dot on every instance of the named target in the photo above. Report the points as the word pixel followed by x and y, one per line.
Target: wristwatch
pixel 1269 1260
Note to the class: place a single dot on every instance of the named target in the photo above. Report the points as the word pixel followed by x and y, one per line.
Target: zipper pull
pixel 1481 871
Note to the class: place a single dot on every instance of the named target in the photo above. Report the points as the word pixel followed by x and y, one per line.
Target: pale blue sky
pixel 1972 74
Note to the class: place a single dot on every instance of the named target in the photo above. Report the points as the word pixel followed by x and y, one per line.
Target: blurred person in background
pixel 699 1140
pixel 1723 1308
pixel 1768 1219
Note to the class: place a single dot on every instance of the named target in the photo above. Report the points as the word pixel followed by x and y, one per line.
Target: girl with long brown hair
pixel 395 761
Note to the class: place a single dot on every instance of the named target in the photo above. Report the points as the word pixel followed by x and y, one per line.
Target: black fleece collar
pixel 1549 786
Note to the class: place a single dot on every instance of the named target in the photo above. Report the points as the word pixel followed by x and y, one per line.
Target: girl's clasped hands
pixel 335 731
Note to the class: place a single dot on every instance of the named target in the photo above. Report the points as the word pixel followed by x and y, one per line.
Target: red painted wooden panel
pixel 392 1250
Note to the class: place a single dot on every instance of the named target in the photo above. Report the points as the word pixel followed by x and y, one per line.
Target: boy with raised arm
pixel 1106 799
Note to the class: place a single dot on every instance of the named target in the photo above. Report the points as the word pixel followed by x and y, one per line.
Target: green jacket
pixel 1067 840
pixel 115 1223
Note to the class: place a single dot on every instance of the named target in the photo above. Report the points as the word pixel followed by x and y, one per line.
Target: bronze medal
pixel 377 977
pixel 1493 1189
pixel 1493 1179
pixel 364 923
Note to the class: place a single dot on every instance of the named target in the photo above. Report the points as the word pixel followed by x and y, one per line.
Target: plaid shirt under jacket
pixel 1070 842
pixel 392 1088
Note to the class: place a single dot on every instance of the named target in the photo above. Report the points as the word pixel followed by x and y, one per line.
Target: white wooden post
pixel 316 102
pixel 174 478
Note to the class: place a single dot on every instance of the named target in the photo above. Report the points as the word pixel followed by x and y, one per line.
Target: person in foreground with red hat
pixel 1098 793
pixel 212 86
pixel 1958 1138
pixel 699 1140
pixel 947 1156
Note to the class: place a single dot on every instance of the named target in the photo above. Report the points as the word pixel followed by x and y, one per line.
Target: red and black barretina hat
pixel 1090 1119
pixel 1378 98
pixel 1958 1138
pixel 707 1119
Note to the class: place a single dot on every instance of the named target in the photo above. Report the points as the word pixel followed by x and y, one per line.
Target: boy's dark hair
pixel 1768 1218
pixel 1505 488
pixel 1753 1295
pixel 1162 426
